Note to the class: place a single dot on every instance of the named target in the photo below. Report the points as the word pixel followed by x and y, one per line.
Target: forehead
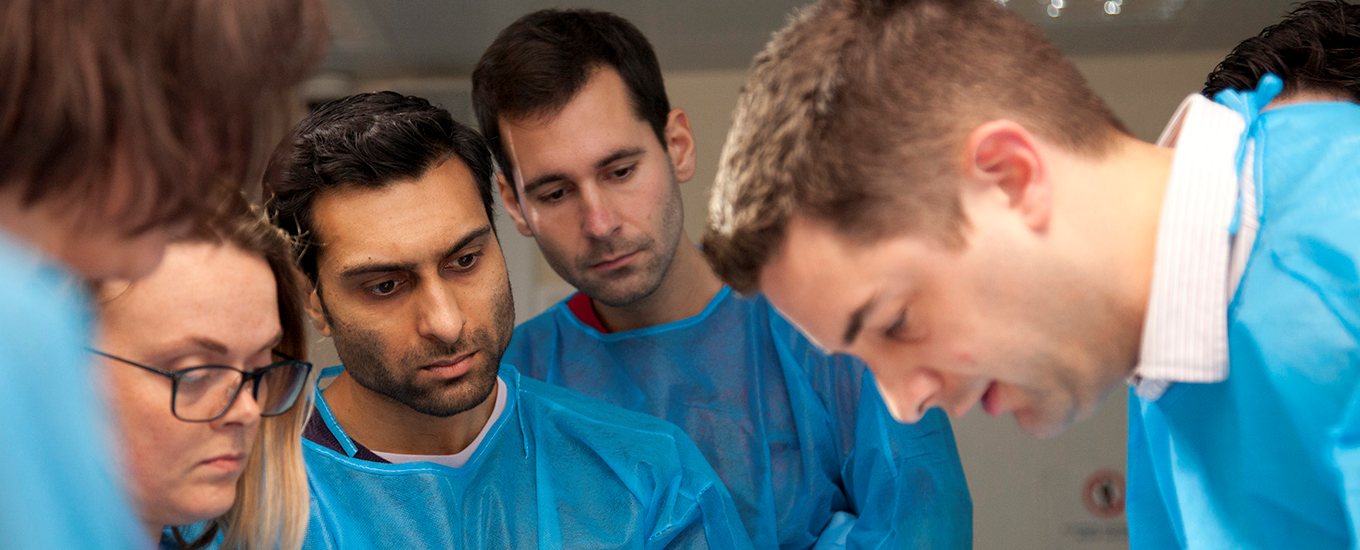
pixel 598 120
pixel 199 289
pixel 403 220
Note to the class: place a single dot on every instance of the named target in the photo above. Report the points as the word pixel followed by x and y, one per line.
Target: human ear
pixel 512 206
pixel 680 145
pixel 315 311
pixel 1002 156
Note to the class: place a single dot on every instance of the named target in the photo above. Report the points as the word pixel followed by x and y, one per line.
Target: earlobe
pixel 680 145
pixel 512 206
pixel 314 310
pixel 1004 156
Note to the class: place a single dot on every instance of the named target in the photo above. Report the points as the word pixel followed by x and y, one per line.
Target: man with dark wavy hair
pixel 424 438
pixel 931 186
pixel 1315 50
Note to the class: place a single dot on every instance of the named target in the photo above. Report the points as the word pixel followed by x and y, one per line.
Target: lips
pixel 614 261
pixel 450 368
pixel 231 462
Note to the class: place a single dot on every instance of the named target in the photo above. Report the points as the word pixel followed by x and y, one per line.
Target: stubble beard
pixel 364 356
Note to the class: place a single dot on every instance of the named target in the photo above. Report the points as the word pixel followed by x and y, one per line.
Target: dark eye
pixel 385 288
pixel 622 173
pixel 553 196
pixel 465 262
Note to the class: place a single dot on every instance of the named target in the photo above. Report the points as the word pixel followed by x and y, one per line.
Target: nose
pixel 439 318
pixel 909 394
pixel 598 219
pixel 244 411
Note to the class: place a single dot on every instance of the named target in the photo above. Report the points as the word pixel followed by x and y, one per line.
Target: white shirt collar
pixel 459 459
pixel 1185 331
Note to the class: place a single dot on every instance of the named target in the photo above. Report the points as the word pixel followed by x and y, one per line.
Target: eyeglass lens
pixel 206 392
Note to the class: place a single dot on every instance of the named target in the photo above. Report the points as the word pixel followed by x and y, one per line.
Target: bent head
pixel 131 115
pixel 889 184
pixel 174 346
pixel 392 200
pixel 591 152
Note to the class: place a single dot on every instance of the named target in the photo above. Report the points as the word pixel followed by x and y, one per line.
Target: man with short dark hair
pixel 592 156
pixel 424 438
pixel 1315 50
pixel 931 186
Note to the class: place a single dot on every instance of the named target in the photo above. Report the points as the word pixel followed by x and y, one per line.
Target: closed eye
pixel 555 195
pixel 622 172
pixel 897 330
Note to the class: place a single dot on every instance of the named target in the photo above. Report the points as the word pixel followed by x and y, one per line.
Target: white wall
pixel 1026 493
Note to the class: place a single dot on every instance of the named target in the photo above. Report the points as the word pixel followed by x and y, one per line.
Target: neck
pixel 153 531
pixel 387 425
pixel 686 289
pixel 1118 204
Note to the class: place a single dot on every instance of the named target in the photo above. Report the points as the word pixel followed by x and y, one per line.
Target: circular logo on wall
pixel 1103 494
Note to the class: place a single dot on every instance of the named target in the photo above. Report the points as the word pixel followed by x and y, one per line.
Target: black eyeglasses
pixel 205 393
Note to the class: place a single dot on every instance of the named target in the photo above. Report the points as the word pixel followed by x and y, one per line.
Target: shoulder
pixel 553 412
pixel 570 406
pixel 44 313
pixel 530 336
pixel 551 321
pixel 546 320
pixel 826 371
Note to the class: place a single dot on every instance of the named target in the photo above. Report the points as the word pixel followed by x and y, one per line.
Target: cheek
pixel 151 439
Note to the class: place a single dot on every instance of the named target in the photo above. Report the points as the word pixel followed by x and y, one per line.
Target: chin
pixel 192 513
pixel 1042 427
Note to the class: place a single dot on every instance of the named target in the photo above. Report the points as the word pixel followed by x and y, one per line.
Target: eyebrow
pixel 611 158
pixel 209 344
pixel 273 342
pixel 388 267
pixel 856 324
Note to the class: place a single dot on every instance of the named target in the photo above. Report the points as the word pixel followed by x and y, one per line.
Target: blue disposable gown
pixel 1270 458
pixel 556 470
pixel 802 440
pixel 59 486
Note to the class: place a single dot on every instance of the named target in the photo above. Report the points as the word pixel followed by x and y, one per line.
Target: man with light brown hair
pixel 931 186
pixel 121 122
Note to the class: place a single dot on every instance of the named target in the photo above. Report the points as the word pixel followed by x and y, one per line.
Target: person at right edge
pixel 931 186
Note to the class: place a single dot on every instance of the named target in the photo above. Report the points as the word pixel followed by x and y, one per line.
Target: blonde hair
pixel 272 498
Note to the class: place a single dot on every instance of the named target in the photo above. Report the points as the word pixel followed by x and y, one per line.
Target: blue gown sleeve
pixel 59 485
pixel 1326 258
pixel 905 480
pixel 1347 455
pixel 699 513
pixel 1334 272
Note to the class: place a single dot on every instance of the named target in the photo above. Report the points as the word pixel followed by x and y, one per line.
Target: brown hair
pixel 539 63
pixel 855 112
pixel 179 93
